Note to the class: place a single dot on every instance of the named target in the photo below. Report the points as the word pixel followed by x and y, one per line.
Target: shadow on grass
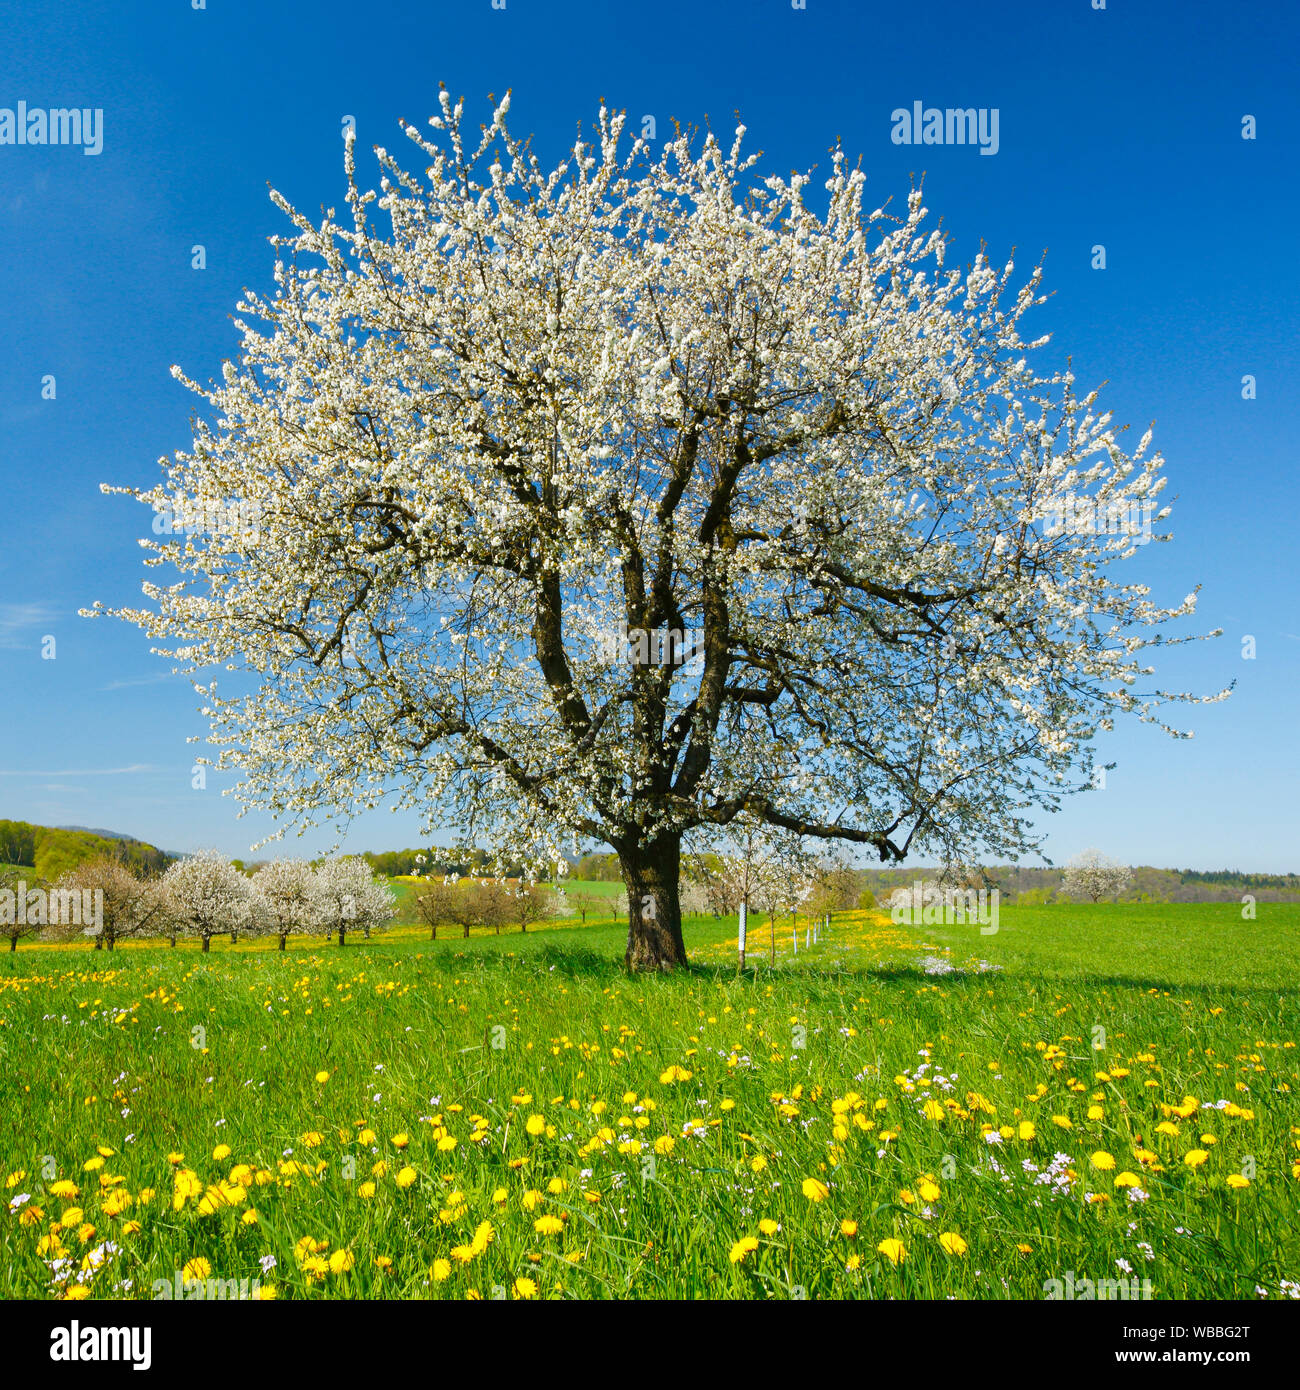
pixel 571 961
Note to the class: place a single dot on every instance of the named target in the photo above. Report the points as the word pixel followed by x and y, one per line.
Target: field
pixel 1102 1093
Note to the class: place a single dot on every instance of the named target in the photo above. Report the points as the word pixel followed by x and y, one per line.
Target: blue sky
pixel 1119 127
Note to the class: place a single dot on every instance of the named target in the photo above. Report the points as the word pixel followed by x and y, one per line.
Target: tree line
pixel 200 897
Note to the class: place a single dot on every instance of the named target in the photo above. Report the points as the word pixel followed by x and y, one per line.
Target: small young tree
pixel 205 894
pixel 757 868
pixel 285 887
pixel 583 902
pixel 1094 876
pixel 795 876
pixel 349 897
pixel 130 904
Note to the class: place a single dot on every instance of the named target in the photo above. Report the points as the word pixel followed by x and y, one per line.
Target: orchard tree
pixel 285 887
pixel 492 904
pixel 131 905
pixel 468 906
pixel 347 896
pixel 1094 876
pixel 615 499
pixel 205 894
pixel 437 903
pixel 582 901
pixel 529 903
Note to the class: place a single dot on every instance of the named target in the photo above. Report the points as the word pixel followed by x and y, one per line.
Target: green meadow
pixel 1103 1094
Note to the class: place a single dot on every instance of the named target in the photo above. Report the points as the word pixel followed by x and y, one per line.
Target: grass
pixel 513 1117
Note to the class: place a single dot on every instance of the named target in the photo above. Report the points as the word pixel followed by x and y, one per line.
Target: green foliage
pixel 17 842
pixel 51 852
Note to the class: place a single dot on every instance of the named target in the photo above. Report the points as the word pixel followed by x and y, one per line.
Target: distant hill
pixel 51 850
pixel 120 835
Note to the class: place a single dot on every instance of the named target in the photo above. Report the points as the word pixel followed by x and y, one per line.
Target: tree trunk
pixel 343 935
pixel 654 934
pixel 110 940
pixel 433 933
pixel 283 935
pixel 13 944
pixel 207 942
pixel 466 931
pixel 99 942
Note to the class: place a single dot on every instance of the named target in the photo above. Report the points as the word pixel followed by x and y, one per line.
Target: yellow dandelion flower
pixel 743 1247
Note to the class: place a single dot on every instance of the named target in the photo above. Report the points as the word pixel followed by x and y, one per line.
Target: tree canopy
pixel 617 500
